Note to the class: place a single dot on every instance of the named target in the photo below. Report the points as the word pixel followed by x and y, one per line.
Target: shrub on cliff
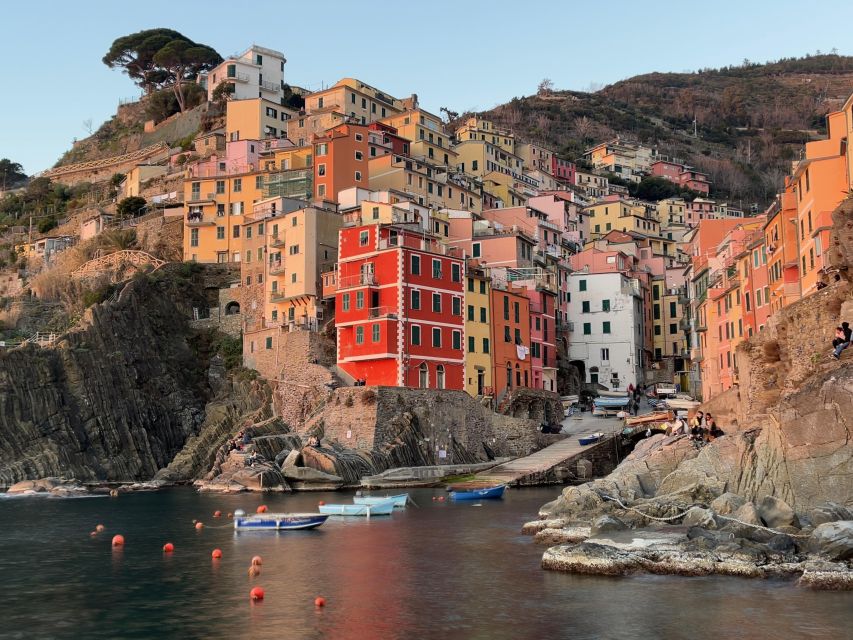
pixel 231 350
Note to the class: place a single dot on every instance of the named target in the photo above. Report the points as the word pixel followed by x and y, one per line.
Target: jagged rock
pixel 307 474
pixel 727 503
pixel 833 540
pixel 292 461
pixel 698 517
pixel 54 486
pixel 590 558
pixel 606 524
pixel 782 543
pixel 829 512
pixel 776 513
pixel 271 446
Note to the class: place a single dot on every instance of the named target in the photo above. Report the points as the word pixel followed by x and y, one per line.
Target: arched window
pixel 232 308
pixel 439 377
pixel 509 375
pixel 517 376
pixel 423 376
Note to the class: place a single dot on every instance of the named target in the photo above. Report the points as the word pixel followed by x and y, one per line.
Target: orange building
pixel 510 339
pixel 340 160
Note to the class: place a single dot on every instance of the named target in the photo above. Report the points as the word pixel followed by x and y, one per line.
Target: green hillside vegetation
pixel 751 120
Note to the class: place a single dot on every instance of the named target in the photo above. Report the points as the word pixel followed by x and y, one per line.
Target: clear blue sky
pixel 461 54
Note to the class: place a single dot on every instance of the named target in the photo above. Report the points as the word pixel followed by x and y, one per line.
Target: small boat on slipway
pixel 279 521
pixel 400 501
pixel 383 508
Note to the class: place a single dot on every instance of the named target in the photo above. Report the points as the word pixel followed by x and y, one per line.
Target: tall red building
pixel 399 298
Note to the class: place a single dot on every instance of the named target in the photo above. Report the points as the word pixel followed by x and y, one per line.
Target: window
pixel 220 186
pixel 605 327
pixel 345 302
pixel 194 237
pixel 758 302
pixel 293 250
pixel 235 231
pixel 457 340
pixel 585 306
pixel 582 285
pixel 375 333
pixel 672 310
pixel 605 355
pixel 359 299
pixel 517 336
pixel 359 335
pixel 359 155
pixel 436 269
pixel 587 328
pixel 456 307
pixel 456 272
pixel 673 328
pixel 436 302
pixel 416 334
pixel 475 250
pixel 657 330
pixel 483 286
pixel 220 210
pixel 471 342
pixel 485 345
pixel 656 311
pixel 605 305
pixel 436 336
pixel 506 307
pixel 220 233
pixel 483 318
pixel 416 299
pixel 323 148
pixel 516 309
pixel 376 213
pixel 238 185
pixel 416 265
pixel 363 238
pixel 358 176
pixel 470 312
pixel 471 285
pixel 507 334
pixel 321 169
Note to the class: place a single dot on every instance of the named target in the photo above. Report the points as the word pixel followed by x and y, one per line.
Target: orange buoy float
pixel 217 514
pixel 99 528
pixel 319 601
pixel 199 525
pixel 321 503
pixel 118 540
pixel 216 554
pixel 262 509
pixel 254 570
pixel 257 593
pixel 168 547
pixel 257 561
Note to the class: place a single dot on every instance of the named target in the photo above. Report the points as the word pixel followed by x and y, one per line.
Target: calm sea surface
pixel 442 570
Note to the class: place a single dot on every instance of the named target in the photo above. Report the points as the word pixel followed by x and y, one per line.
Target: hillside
pixel 751 120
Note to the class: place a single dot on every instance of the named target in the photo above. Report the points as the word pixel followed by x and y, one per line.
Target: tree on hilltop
pixel 11 173
pixel 157 58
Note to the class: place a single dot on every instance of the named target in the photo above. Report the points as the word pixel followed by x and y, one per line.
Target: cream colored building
pixel 478 319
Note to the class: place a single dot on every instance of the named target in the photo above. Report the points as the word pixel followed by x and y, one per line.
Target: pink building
pixel 682 175
pixel 563 169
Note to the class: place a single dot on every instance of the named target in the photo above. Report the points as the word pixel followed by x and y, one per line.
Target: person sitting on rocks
pixel 714 432
pixel 698 420
pixel 844 336
pixel 697 433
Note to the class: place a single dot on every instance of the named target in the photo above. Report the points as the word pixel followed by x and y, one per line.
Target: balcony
pixel 270 86
pixel 357 280
pixel 382 312
pixel 277 296
pixel 277 267
pixel 278 241
pixel 197 196
pixel 239 77
pixel 200 220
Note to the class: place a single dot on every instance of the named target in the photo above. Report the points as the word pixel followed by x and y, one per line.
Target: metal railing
pixel 382 312
pixel 357 280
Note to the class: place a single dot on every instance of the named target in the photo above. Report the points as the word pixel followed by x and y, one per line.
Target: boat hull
pixel 362 510
pixel 400 501
pixel 279 521
pixel 492 493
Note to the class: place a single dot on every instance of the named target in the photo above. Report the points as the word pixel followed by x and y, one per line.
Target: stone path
pixel 537 467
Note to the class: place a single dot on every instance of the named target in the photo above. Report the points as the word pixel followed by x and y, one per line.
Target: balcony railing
pixel 382 312
pixel 270 86
pixel 196 196
pixel 240 77
pixel 199 220
pixel 277 267
pixel 357 280
pixel 278 241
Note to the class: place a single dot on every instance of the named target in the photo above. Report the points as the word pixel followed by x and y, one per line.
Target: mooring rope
pixel 681 515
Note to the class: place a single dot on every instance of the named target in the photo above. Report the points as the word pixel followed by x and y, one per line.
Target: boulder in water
pixel 833 540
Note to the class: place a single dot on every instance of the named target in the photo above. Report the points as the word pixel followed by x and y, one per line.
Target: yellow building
pixel 478 353
pixel 357 100
pixel 285 248
pixel 429 140
pixel 215 209
pixel 671 211
pixel 302 128
pixel 425 183
pixel 475 128
pixel 622 215
pixel 256 119
pixel 535 157
pixel 669 337
pixel 134 178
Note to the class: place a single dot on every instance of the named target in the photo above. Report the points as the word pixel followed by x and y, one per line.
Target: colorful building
pixel 510 338
pixel 399 299
pixel 479 366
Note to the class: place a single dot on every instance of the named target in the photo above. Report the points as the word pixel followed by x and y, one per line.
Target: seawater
pixel 435 570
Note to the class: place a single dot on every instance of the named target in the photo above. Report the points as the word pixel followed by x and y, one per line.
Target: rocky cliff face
pixel 115 399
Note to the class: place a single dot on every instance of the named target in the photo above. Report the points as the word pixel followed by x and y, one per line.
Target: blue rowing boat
pixel 400 501
pixel 279 521
pixel 366 510
pixel 590 439
pixel 488 493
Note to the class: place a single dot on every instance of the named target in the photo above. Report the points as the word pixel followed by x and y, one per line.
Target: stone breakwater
pixel 662 512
